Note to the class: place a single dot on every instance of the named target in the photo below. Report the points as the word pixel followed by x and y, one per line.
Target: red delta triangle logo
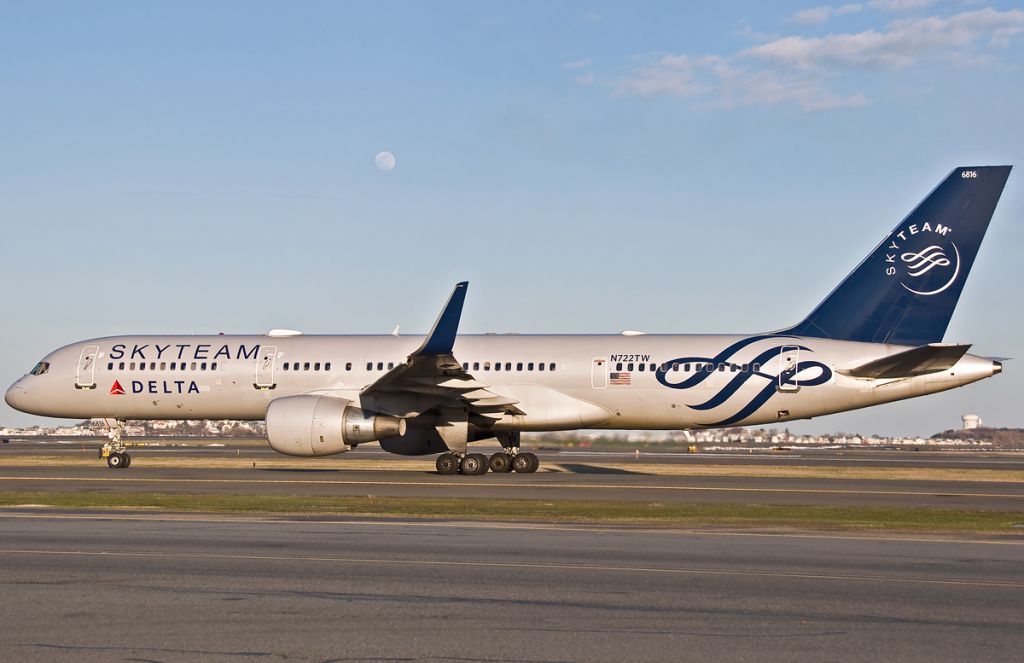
pixel 116 389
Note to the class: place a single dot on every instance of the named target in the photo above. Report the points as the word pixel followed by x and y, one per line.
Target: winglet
pixel 441 339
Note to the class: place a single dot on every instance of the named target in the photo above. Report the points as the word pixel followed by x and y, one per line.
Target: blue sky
pixel 589 167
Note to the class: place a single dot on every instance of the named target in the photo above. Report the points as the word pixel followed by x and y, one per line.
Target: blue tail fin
pixel 906 289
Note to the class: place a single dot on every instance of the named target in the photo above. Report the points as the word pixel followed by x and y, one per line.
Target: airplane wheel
pixel 127 461
pixel 115 461
pixel 474 464
pixel 521 463
pixel 447 464
pixel 500 462
pixel 534 462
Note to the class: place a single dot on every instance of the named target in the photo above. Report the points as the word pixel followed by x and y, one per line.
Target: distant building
pixel 971 421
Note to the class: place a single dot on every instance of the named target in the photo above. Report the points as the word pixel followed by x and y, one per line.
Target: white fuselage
pixel 559 382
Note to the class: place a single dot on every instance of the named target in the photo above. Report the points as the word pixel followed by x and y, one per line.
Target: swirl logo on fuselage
pixel 811 374
pixel 923 271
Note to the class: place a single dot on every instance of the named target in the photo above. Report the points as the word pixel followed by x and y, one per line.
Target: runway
pixel 994 460
pixel 564 477
pixel 175 588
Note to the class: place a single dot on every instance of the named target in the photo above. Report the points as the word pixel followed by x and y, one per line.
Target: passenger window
pixel 487 365
pixel 203 366
pixel 529 366
pixel 369 365
pixel 163 366
pixel 654 367
pixel 465 366
pixel 497 365
pixel 316 366
pixel 131 366
pixel 121 366
pixel 193 366
pixel 508 366
pixel 641 367
pixel 629 367
pixel 540 366
pixel 142 365
pixel 380 366
pixel 391 365
pixel 686 368
pixel 733 368
pixel 213 366
pixel 519 366
pixel 618 366
pixel 675 367
pixel 285 367
pixel 476 366
pixel 551 367
pixel 348 366
pixel 327 366
pixel 721 368
pixel 110 366
pixel 756 367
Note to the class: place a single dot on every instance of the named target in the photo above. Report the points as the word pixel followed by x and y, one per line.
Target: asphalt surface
pixel 573 481
pixel 978 460
pixel 184 588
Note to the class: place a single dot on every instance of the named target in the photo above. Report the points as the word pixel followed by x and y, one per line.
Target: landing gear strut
pixel 114 450
pixel 522 462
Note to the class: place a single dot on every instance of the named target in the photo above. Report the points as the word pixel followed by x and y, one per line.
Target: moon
pixel 384 161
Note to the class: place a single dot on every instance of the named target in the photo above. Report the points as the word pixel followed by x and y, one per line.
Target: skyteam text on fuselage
pixel 877 338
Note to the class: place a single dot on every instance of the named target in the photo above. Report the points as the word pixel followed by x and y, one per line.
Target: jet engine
pixel 321 426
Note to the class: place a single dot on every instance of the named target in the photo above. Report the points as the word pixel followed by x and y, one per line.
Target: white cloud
pixel 586 79
pixel 808 72
pixel 577 64
pixel 900 5
pixel 819 15
pixel 901 44
pixel 716 82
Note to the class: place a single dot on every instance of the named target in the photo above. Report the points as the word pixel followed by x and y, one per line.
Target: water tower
pixel 971 421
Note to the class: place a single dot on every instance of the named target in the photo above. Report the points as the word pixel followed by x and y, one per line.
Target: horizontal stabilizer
pixel 926 359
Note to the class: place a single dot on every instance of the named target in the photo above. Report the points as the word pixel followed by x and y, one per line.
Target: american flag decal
pixel 618 378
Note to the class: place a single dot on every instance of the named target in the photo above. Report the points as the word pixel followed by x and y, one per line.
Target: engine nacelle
pixel 321 426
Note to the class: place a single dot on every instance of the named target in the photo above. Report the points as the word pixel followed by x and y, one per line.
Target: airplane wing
pixel 922 360
pixel 432 379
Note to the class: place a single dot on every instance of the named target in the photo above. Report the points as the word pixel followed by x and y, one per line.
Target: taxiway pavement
pixel 183 587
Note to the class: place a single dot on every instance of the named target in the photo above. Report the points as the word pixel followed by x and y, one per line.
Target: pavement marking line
pixel 518 565
pixel 477 484
pixel 476 524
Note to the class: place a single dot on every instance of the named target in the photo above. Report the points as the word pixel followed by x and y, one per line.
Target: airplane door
pixel 789 358
pixel 85 377
pixel 265 367
pixel 599 373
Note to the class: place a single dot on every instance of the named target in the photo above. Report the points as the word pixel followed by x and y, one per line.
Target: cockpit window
pixel 41 368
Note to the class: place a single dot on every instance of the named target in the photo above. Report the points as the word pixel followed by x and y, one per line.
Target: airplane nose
pixel 15 396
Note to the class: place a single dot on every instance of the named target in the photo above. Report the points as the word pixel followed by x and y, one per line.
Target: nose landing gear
pixel 114 450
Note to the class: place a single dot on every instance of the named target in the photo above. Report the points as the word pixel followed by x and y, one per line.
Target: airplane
pixel 877 338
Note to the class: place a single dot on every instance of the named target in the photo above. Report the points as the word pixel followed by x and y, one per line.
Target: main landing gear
pixel 509 459
pixel 114 450
pixel 476 464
